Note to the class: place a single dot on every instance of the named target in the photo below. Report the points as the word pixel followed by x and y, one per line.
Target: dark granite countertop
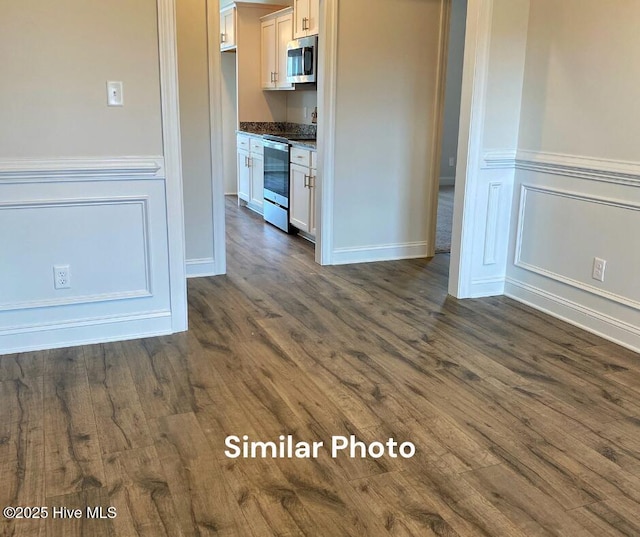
pixel 285 130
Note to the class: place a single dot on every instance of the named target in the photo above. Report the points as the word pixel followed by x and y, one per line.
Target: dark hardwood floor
pixel 523 425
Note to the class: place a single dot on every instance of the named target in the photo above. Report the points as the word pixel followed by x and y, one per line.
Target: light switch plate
pixel 114 93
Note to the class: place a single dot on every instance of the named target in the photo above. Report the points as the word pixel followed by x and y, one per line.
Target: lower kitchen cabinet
pixel 302 197
pixel 256 199
pixel 244 175
pixel 251 172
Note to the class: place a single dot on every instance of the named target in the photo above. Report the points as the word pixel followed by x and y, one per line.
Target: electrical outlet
pixel 452 162
pixel 61 277
pixel 599 266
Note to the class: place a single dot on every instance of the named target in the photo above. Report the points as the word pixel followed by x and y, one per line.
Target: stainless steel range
pixel 276 181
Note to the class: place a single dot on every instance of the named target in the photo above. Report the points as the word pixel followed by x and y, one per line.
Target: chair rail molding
pixel 74 169
pixel 594 169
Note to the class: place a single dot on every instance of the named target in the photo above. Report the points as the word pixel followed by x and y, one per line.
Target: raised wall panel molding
pixel 144 292
pixel 595 169
pixel 559 277
pixel 499 159
pixel 74 169
pixel 491 230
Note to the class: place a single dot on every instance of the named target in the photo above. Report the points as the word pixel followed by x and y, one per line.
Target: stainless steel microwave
pixel 302 60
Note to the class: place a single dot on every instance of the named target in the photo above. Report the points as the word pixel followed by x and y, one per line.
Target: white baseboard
pixel 447 181
pixel 200 268
pixel 388 252
pixel 605 326
pixel 485 287
pixel 85 332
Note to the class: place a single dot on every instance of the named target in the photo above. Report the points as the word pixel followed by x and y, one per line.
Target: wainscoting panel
pixel 491 213
pixel 112 234
pixel 567 212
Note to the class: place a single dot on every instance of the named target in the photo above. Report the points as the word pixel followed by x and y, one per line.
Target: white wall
pixel 56 58
pixel 297 101
pixel 195 127
pixel 577 194
pixel 455 59
pixel 80 183
pixel 385 127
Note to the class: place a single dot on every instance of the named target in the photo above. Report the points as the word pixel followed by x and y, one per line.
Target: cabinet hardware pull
pixel 305 22
pixel 312 181
pixel 249 159
pixel 306 182
pixel 223 38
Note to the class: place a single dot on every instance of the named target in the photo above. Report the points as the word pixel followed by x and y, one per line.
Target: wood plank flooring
pixel 524 426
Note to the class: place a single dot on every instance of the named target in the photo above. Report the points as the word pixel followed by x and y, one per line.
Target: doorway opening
pixel 450 124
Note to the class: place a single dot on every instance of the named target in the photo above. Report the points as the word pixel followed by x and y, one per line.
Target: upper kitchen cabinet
pixel 228 29
pixel 276 32
pixel 306 15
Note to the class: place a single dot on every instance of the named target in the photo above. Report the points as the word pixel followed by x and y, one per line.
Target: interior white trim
pixel 327 97
pixel 518 262
pixel 605 326
pixel 169 97
pixel 219 263
pixel 470 157
pixel 596 169
pixel 200 268
pixel 483 287
pixel 438 126
pixel 499 159
pixel 387 252
pixel 85 331
pixel 74 169
pixel 491 233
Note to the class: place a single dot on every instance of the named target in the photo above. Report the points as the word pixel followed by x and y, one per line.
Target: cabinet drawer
pixel 243 142
pixel 314 160
pixel 300 156
pixel 256 146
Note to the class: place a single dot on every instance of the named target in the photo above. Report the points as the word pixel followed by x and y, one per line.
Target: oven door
pixel 276 173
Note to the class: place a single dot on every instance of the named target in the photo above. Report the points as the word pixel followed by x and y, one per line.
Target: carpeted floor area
pixel 445 219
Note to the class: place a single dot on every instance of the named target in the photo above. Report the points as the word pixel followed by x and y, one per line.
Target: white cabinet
pixel 302 197
pixel 306 13
pixel 228 29
pixel 276 32
pixel 251 172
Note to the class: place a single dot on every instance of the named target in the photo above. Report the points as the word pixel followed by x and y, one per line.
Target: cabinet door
pixel 299 197
pixel 285 34
pixel 227 29
pixel 268 54
pixel 312 203
pixel 301 14
pixel 256 163
pixel 313 26
pixel 244 175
